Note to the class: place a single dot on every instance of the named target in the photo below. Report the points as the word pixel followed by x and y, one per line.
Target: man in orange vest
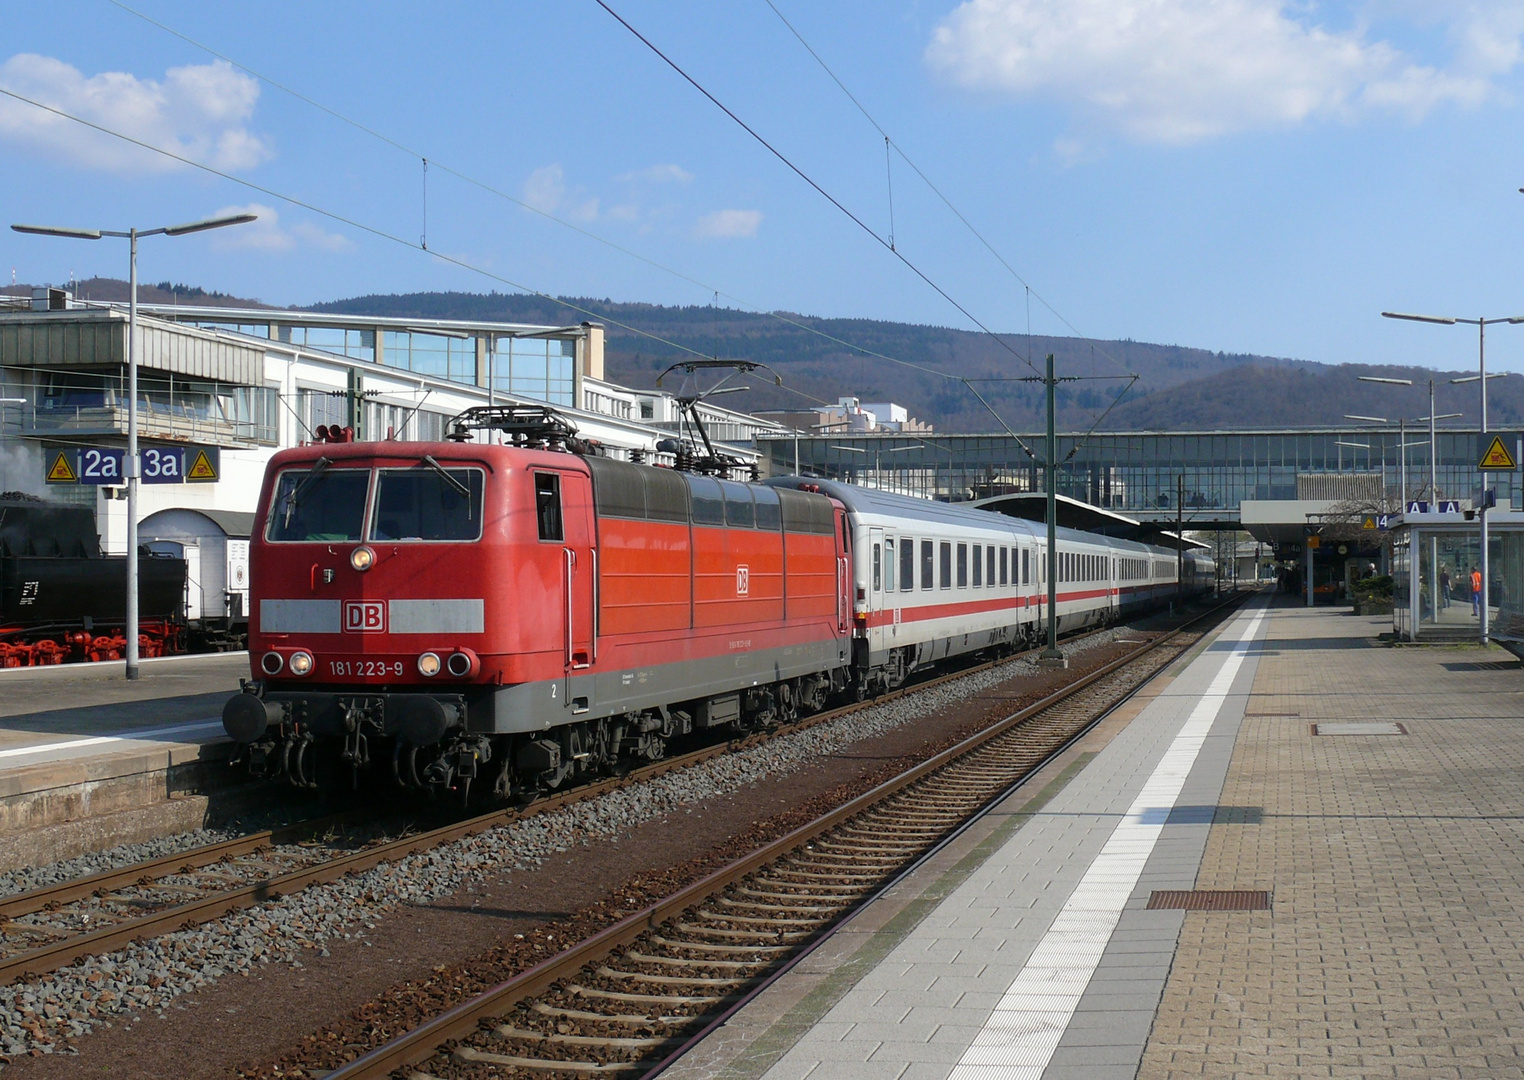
pixel 1476 593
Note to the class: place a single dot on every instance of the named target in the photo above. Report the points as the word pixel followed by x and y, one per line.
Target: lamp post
pixel 1480 378
pixel 130 466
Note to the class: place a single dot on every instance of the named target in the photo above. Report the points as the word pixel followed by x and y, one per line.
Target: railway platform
pixel 1295 853
pixel 89 760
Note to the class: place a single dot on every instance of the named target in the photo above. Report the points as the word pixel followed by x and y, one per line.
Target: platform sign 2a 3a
pixel 104 466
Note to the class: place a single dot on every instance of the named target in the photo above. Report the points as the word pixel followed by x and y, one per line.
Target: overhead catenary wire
pixel 505 196
pixel 797 171
pixel 889 141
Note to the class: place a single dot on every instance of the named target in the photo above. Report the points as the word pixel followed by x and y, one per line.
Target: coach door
pixel 877 568
pixel 568 496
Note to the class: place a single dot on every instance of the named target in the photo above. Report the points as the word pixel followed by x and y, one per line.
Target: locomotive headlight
pixel 300 662
pixel 362 558
pixel 428 665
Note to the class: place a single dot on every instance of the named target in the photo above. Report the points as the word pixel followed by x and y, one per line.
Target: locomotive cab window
pixel 547 505
pixel 319 504
pixel 427 503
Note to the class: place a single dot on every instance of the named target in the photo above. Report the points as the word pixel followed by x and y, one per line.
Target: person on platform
pixel 1476 593
pixel 1444 587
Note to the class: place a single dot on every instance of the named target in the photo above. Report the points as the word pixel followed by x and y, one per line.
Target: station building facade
pixel 1199 478
pixel 252 381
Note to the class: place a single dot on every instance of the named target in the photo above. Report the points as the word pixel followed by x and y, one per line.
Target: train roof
pixel 907 507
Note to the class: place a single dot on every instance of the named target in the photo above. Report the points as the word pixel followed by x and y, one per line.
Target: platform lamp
pixel 1481 378
pixel 130 465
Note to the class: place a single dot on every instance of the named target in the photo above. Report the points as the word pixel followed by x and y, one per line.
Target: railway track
pixel 47 928
pixel 635 996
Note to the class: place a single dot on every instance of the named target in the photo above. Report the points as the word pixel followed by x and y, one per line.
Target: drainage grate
pixel 1355 727
pixel 1209 900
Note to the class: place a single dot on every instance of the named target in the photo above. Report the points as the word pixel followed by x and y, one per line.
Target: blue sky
pixel 1237 175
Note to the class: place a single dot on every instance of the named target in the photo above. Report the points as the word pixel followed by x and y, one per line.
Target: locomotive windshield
pixel 431 503
pixel 319 504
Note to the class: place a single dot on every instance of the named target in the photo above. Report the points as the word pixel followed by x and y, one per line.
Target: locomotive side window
pixel 945 554
pixel 547 505
pixel 768 511
pixel 978 562
pixel 708 500
pixel 319 504
pixel 738 506
pixel 424 504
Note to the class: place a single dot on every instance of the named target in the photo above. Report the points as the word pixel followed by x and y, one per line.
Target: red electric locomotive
pixel 523 614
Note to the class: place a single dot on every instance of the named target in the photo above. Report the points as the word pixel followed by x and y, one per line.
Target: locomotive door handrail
pixel 571 607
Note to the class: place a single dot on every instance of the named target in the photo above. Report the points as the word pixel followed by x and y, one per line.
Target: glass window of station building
pixel 1142 473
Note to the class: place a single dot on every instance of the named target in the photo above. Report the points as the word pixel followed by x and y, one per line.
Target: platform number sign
pixel 106 467
pixel 743 580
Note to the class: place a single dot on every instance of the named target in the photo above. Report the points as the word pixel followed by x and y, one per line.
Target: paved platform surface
pixel 74 711
pixel 1393 945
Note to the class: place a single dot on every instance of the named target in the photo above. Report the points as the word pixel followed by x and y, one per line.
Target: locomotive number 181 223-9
pixel 366 669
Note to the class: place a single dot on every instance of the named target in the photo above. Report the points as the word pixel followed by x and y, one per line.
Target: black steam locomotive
pixel 62 600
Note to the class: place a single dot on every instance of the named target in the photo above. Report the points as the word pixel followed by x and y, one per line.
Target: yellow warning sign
pixel 62 471
pixel 201 468
pixel 1496 456
pixel 1368 523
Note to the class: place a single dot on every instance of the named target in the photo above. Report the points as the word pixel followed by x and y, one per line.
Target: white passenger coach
pixel 936 579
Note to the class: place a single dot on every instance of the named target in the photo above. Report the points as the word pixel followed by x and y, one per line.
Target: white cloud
pixel 1179 71
pixel 546 191
pixel 198 112
pixel 658 174
pixel 728 224
pixel 267 234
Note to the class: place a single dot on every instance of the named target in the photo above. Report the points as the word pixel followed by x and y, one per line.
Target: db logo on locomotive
pixel 743 580
pixel 365 616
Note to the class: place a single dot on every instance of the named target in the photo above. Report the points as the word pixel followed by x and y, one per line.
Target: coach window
pixel 978 562
pixel 878 568
pixel 927 559
pixel 962 566
pixel 989 565
pixel 889 565
pixel 907 564
pixel 1026 577
pixel 547 505
pixel 945 553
